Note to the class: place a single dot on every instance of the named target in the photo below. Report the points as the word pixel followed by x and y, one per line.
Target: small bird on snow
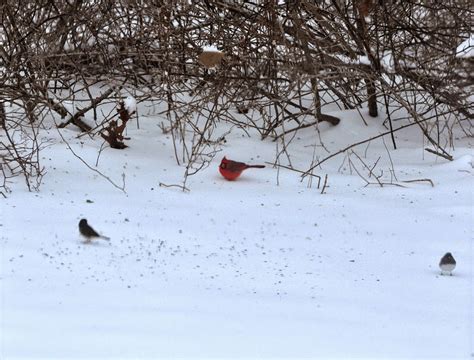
pixel 231 169
pixel 88 232
pixel 447 264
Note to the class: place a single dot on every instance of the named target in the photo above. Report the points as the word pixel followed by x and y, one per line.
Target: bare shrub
pixel 281 65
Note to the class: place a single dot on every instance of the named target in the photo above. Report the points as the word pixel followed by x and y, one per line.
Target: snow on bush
pixel 130 104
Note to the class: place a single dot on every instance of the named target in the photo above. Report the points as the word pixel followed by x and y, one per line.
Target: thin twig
pixel 121 188
pixel 182 187
pixel 420 180
pixel 296 170
pixel 445 156
pixel 324 184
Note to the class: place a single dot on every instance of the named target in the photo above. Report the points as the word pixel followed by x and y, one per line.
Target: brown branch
pixel 445 156
pixel 420 180
pixel 324 184
pixel 357 144
pixel 295 170
pixel 76 118
pixel 182 187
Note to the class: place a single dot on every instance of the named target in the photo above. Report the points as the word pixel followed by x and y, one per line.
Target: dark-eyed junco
pixel 447 264
pixel 88 232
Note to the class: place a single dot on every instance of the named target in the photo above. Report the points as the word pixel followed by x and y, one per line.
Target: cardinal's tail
pixel 255 166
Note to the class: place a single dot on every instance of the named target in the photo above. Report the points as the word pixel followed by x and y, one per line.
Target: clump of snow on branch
pixel 130 104
pixel 210 48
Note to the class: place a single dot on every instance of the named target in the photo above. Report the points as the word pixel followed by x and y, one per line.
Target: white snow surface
pixel 256 268
pixel 466 48
pixel 364 60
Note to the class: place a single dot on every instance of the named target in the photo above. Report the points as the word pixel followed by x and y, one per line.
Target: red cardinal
pixel 231 170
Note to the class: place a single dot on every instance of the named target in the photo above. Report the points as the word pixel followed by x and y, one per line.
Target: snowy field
pixel 263 267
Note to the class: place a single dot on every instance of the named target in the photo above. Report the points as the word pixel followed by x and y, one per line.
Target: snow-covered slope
pixel 239 269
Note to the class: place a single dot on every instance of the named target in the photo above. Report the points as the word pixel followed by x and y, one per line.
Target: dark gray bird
pixel 88 232
pixel 447 264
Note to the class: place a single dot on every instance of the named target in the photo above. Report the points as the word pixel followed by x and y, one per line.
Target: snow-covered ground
pixel 252 268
